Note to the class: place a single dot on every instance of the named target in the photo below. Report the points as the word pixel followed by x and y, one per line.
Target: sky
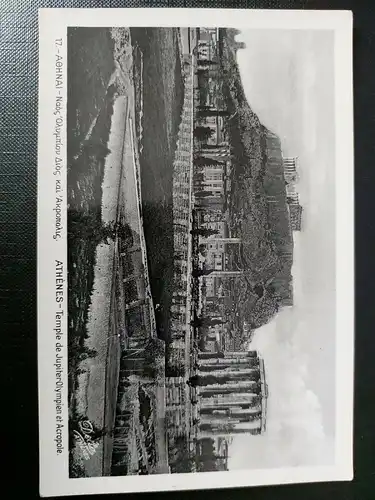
pixel 288 77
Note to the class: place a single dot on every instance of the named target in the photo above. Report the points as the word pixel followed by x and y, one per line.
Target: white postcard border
pixel 54 480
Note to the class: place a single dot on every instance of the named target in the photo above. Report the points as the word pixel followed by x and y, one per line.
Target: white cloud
pixel 295 434
pixel 288 80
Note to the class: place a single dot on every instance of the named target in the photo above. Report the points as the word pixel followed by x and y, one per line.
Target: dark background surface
pixel 18 182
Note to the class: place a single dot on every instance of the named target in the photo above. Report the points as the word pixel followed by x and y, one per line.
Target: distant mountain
pixel 258 200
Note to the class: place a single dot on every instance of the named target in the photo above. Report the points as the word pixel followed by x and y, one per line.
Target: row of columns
pixel 221 377
pixel 230 393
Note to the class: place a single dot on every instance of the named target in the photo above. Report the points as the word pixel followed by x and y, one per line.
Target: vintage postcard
pixel 195 236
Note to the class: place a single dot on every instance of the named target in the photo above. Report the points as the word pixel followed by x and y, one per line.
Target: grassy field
pixel 90 64
pixel 91 94
pixel 89 110
pixel 162 105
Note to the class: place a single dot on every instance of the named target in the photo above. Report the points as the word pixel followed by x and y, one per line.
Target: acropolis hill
pixel 258 199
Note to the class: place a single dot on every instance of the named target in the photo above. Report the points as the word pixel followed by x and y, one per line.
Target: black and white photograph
pixel 203 204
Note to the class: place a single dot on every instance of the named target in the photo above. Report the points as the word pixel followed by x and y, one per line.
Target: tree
pixel 205 111
pixel 206 455
pixel 206 322
pixel 212 321
pixel 204 231
pixel 195 323
pixel 154 356
pixel 182 461
pixel 193 381
pixel 201 272
pixel 202 161
pixel 202 72
pixel 90 227
pixel 203 107
pixel 259 290
pixel 96 149
pixel 202 134
pixel 198 177
pixel 202 250
pixel 86 353
pixel 212 146
pixel 206 62
pixel 178 256
pixel 76 469
pixel 174 370
pixel 202 194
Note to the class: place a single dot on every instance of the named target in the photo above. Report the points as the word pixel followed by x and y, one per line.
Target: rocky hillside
pixel 258 205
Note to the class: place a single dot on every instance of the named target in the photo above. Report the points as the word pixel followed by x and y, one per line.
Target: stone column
pixel 230 360
pixel 204 409
pixel 224 378
pixel 235 419
pixel 228 375
pixel 218 433
pixel 252 388
pixel 246 415
pixel 233 366
pixel 245 401
pixel 207 430
pixel 210 355
pixel 240 354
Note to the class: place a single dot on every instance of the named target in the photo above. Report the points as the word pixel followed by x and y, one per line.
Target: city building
pixel 176 359
pixel 207 43
pixel 213 287
pixel 218 152
pixel 233 343
pixel 214 122
pixel 291 190
pixel 210 203
pixel 212 454
pixel 214 178
pixel 210 345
